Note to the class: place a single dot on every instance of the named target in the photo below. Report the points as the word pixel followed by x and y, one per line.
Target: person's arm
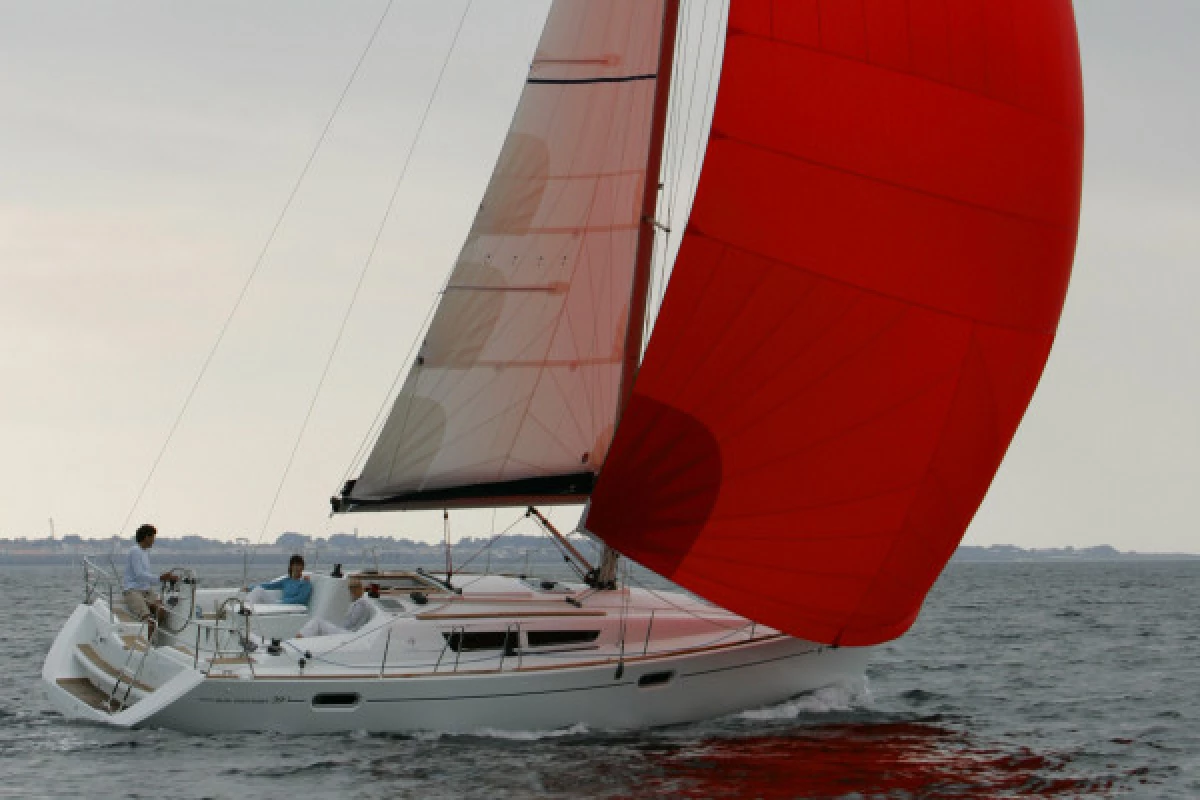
pixel 276 584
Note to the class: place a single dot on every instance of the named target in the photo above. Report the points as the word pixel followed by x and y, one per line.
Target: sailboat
pixel 863 301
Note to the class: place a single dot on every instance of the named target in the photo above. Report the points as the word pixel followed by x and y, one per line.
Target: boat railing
pixel 462 638
pixel 386 644
pixel 230 609
pixel 445 644
pixel 96 578
pixel 649 627
pixel 230 624
pixel 512 643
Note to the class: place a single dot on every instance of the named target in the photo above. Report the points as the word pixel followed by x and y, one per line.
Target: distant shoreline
pixel 535 550
pixel 1003 553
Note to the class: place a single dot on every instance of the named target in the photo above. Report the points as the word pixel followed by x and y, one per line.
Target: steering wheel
pixel 177 613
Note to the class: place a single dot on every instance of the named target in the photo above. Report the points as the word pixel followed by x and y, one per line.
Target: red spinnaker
pixel 862 305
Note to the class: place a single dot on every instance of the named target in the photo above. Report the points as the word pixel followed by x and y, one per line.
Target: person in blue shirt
pixel 140 583
pixel 296 588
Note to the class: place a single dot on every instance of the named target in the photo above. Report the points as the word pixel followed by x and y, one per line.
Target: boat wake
pixel 516 736
pixel 848 696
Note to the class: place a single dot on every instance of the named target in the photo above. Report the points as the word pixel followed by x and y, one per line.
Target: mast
pixel 607 570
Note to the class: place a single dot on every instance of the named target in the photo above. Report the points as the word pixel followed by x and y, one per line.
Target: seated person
pixel 356 616
pixel 296 588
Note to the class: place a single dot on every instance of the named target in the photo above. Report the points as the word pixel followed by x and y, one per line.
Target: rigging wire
pixel 487 545
pixel 625 600
pixel 257 264
pixel 365 268
pixel 376 423
pixel 629 577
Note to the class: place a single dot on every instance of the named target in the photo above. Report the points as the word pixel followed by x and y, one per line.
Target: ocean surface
pixel 1018 680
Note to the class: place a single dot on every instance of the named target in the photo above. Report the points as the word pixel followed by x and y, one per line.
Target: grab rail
pixel 512 638
pixel 459 629
pixel 94 575
pixel 387 643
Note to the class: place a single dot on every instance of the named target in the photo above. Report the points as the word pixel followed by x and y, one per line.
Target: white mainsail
pixel 517 379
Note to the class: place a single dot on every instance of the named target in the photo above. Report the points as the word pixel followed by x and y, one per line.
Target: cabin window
pixel 557 638
pixel 460 641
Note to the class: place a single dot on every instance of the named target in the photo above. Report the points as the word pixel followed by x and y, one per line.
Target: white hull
pixel 383 680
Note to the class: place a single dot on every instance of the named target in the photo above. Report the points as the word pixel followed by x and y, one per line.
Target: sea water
pixel 1018 680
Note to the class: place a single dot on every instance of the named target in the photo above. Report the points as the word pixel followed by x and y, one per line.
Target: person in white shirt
pixel 140 584
pixel 356 616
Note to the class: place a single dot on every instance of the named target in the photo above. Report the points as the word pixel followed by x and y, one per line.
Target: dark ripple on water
pixel 1019 680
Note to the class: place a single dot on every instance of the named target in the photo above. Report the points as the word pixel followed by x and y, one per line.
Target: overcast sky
pixel 147 148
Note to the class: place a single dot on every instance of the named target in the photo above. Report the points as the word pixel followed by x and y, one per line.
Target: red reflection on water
pixel 889 760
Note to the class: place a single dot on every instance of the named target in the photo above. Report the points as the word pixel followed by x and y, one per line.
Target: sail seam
pixel 893 184
pixel 1047 330
pixel 825 537
pixel 802 353
pixel 850 618
pixel 921 393
pixel 725 561
pixel 1070 127
pixel 568 411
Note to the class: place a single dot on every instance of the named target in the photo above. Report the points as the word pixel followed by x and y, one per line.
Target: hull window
pixel 655 679
pixel 332 700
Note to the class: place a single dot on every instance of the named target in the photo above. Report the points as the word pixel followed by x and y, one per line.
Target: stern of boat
pixel 101 668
